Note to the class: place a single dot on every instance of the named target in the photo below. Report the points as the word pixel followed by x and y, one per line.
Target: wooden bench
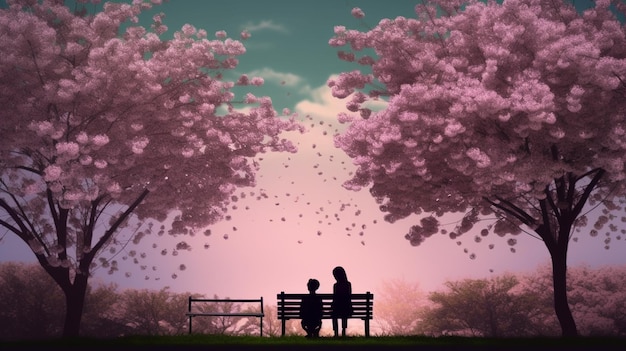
pixel 289 307
pixel 194 313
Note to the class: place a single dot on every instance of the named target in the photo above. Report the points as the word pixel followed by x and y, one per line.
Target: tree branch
pixel 86 261
pixel 545 229
pixel 513 210
pixel 553 205
pixel 585 196
pixel 23 232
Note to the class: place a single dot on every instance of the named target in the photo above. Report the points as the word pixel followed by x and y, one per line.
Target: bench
pixel 191 312
pixel 288 307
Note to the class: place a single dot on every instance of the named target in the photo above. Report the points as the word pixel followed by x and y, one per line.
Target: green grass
pixel 213 342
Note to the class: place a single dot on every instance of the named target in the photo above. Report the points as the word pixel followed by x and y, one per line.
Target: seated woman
pixel 342 303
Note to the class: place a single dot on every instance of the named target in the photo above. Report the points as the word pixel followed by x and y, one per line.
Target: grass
pixel 214 342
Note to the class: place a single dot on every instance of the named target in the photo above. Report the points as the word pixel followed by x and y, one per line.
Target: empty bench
pixel 195 312
pixel 289 307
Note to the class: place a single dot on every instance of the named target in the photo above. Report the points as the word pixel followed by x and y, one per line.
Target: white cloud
pixel 283 78
pixel 323 105
pixel 265 25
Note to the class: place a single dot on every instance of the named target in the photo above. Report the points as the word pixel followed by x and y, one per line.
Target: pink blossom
pixel 221 34
pixel 357 13
pixel 101 164
pixel 365 113
pixel 185 98
pixel 346 56
pixel 114 187
pixel 189 30
pixel 139 144
pixel 52 173
pixel 250 98
pixel 82 138
pixel 67 149
pixel 243 80
pixel 257 81
pixel 85 160
pixel 42 128
pixel 187 152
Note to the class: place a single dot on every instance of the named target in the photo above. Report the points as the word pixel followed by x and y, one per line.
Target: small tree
pixel 31 304
pixel 513 108
pixel 149 312
pixel 597 297
pixel 103 118
pixel 480 307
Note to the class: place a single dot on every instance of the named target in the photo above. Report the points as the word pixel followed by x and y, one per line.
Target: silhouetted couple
pixel 341 307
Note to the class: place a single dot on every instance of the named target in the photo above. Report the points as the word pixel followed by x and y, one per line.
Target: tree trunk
pixel 74 304
pixel 559 280
pixel 559 210
pixel 75 292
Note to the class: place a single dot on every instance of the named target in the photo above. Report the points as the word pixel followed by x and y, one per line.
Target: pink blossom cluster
pixel 97 112
pixel 484 99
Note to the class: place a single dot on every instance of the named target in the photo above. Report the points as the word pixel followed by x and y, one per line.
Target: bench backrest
pixel 289 305
pixel 193 310
pixel 199 301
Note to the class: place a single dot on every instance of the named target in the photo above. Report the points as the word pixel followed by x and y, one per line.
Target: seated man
pixel 311 310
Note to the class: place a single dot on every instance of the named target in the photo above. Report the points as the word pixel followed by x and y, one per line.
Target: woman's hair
pixel 340 274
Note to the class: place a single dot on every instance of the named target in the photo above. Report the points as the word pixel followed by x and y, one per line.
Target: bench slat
pixel 297 308
pixel 324 296
pixel 325 303
pixel 217 314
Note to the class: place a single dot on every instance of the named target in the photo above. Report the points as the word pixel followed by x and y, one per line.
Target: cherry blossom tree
pixel 516 109
pixel 103 119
